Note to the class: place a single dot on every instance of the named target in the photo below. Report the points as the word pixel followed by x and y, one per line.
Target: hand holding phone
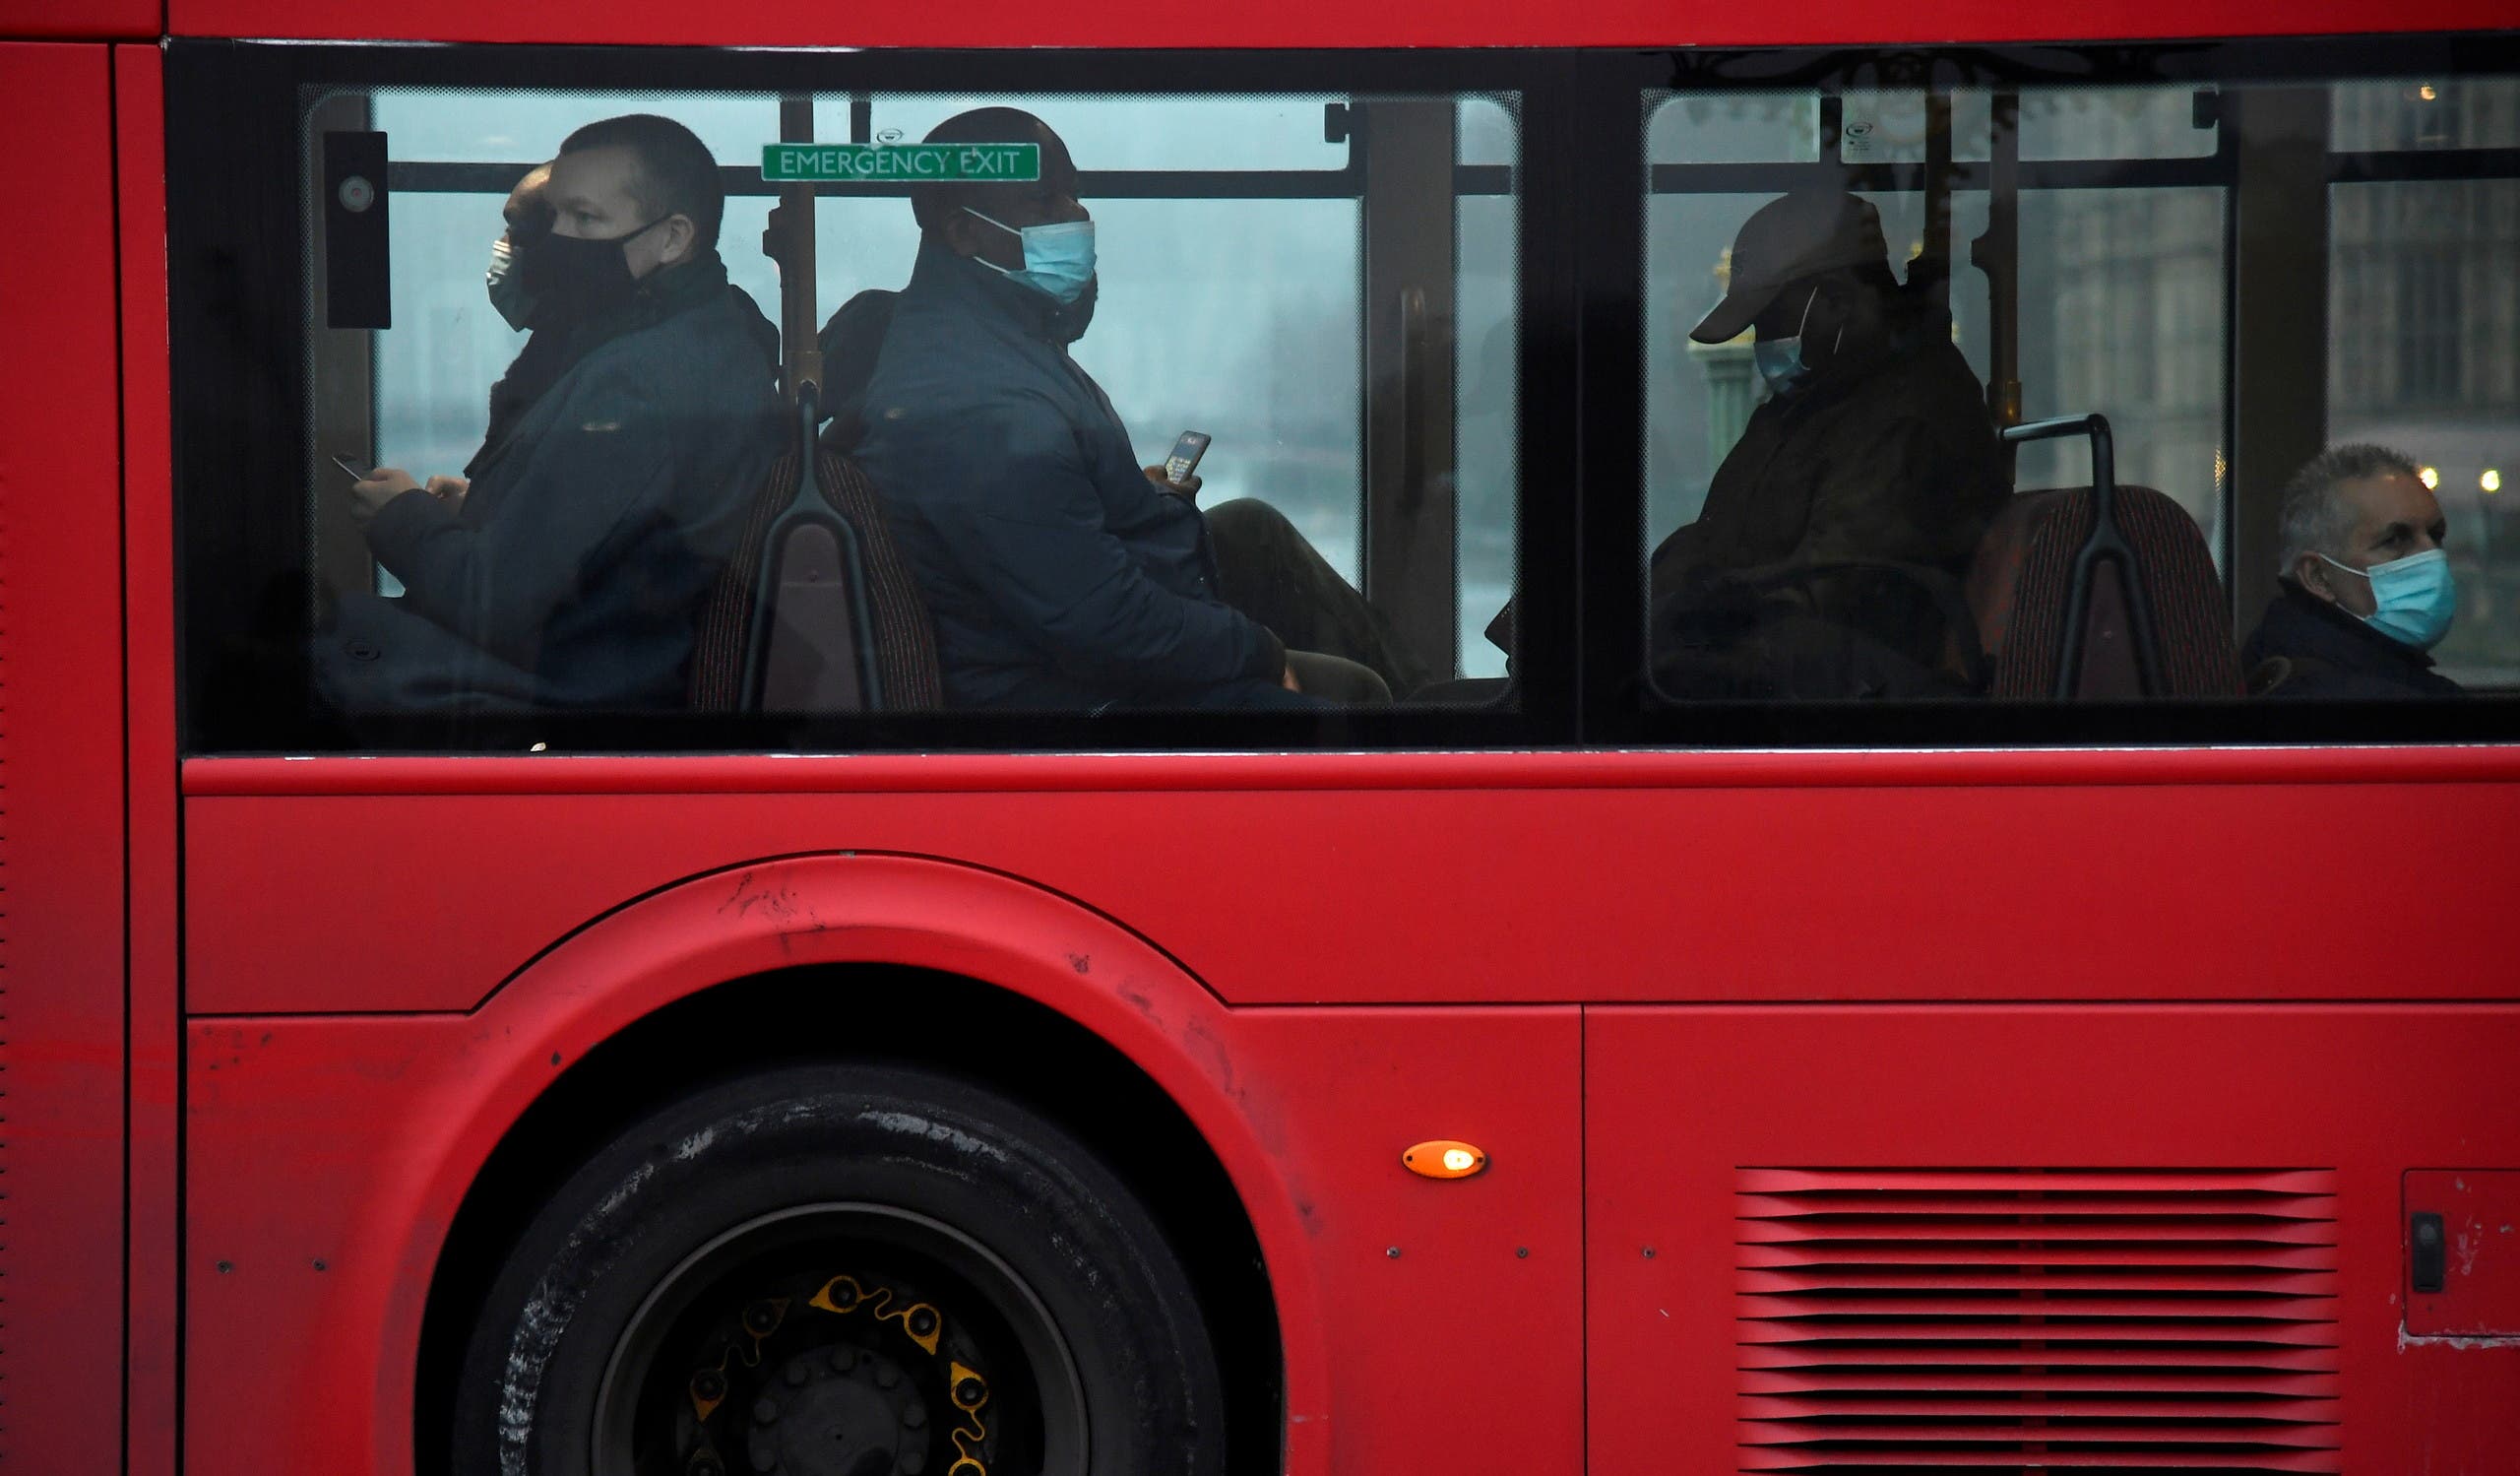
pixel 1184 459
pixel 375 487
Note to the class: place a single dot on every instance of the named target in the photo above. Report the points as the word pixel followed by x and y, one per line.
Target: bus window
pixel 1862 510
pixel 1321 284
pixel 2436 265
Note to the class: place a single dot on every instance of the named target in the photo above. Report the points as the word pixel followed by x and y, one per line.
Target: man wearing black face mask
pixel 1060 572
pixel 1874 449
pixel 623 445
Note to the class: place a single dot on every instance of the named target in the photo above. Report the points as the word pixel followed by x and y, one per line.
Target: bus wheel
pixel 841 1271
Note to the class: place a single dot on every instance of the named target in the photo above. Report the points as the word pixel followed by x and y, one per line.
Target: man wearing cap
pixel 1873 448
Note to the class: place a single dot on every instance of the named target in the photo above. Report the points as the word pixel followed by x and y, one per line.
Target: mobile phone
pixel 352 467
pixel 1184 459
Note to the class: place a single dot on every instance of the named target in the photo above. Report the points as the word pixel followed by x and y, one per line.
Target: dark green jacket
pixel 1896 461
pixel 1058 576
pixel 2306 647
pixel 571 576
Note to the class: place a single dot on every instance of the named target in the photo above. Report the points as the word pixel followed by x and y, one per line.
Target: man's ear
pixel 960 232
pixel 681 237
pixel 2310 572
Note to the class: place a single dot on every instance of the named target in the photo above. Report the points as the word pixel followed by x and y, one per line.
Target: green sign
pixel 916 163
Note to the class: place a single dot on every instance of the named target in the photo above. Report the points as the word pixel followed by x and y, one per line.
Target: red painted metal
pixel 989 773
pixel 1401 22
pixel 2479 1211
pixel 1692 1114
pixel 61 817
pixel 348 1142
pixel 88 20
pixel 1435 895
pixel 149 743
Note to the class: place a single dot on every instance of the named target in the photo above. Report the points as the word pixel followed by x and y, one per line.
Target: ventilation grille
pixel 1994 1320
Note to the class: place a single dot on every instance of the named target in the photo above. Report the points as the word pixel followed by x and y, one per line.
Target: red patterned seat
pixel 826 636
pixel 2021 580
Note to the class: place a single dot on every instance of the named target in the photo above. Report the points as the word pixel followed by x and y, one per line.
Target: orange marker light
pixel 1443 1158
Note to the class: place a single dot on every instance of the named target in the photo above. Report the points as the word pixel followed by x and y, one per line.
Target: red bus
pixel 1605 1045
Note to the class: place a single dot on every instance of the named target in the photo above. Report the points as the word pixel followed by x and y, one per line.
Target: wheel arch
pixel 842 956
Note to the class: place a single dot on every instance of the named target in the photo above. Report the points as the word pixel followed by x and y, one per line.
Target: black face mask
pixel 573 277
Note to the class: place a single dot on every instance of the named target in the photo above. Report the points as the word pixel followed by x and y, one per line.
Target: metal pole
pixel 790 241
pixel 1997 254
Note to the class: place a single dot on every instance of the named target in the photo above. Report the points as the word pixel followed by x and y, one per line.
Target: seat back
pixel 839 627
pixel 2021 590
pixel 899 633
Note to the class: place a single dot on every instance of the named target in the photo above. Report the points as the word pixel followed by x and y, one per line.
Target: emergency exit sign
pixel 916 163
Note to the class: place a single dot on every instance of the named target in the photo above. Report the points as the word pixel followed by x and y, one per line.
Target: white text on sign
pixel 923 163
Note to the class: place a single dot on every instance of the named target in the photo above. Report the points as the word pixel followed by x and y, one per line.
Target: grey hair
pixel 2313 520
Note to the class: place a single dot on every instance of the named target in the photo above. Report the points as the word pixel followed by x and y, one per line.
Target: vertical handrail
pixel 1997 254
pixel 1933 262
pixel 1413 408
pixel 2107 543
pixel 788 240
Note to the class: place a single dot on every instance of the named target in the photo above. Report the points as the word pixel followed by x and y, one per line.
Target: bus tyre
pixel 851 1269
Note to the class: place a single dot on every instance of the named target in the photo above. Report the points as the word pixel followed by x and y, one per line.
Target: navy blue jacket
pixel 2330 653
pixel 1059 576
pixel 572 575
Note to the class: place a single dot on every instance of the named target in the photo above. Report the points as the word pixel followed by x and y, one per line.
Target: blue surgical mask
pixel 1780 360
pixel 2414 598
pixel 1058 260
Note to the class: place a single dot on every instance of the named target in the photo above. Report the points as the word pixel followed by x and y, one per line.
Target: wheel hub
pixel 794 1371
pixel 838 1411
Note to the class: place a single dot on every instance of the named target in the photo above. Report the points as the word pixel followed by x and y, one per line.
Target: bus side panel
pixel 1509 894
pixel 149 565
pixel 1405 22
pixel 1426 1325
pixel 1680 1102
pixel 61 779
pixel 89 19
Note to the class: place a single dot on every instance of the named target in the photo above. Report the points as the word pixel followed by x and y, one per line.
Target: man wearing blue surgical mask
pixel 2367 590
pixel 1061 572
pixel 1827 558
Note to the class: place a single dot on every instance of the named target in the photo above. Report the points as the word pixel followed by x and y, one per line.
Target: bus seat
pixel 2020 582
pixel 814 652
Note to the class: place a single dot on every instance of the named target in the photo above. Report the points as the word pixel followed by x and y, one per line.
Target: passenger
pixel 850 339
pixel 565 569
pixel 1060 572
pixel 2365 589
pixel 1874 447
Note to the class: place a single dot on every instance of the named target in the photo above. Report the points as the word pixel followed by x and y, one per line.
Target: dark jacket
pixel 1057 574
pixel 1895 461
pixel 571 576
pixel 2326 652
pixel 851 340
